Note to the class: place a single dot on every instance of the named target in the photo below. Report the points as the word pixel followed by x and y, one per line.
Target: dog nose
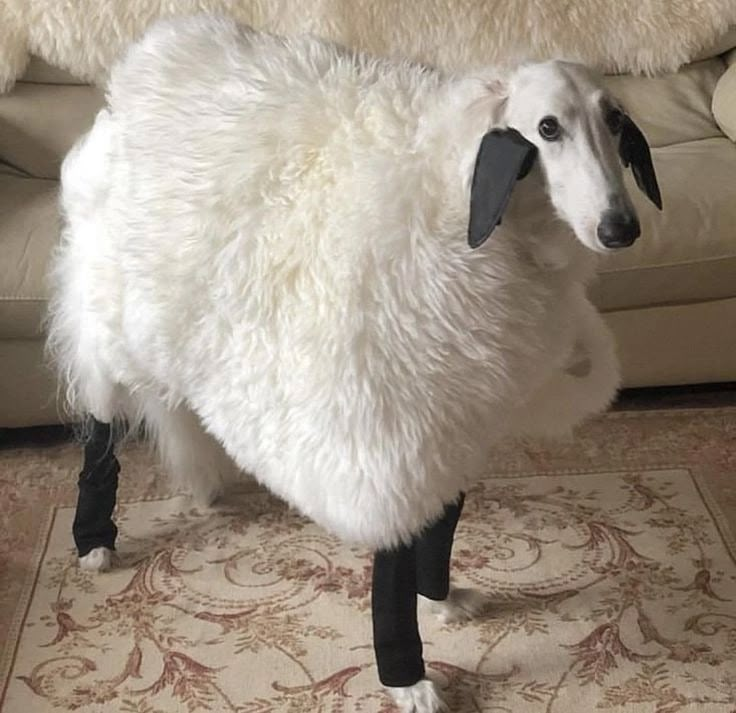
pixel 618 229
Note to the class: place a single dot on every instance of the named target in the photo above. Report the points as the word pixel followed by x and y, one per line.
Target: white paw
pixel 461 605
pixel 97 560
pixel 422 697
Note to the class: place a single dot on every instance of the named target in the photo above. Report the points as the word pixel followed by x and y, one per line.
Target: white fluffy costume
pixel 267 237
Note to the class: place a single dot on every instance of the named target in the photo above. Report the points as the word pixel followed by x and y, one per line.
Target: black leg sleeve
pixel 98 484
pixel 396 639
pixel 434 548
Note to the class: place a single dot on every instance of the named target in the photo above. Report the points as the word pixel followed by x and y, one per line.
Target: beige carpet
pixel 609 561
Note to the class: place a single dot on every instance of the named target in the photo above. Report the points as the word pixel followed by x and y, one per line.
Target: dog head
pixel 560 116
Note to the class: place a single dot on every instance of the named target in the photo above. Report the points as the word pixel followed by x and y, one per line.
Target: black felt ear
pixel 634 150
pixel 504 157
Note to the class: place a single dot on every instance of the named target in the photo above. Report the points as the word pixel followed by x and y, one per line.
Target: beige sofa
pixel 671 300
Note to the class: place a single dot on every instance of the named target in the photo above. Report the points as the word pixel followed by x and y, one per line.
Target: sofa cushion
pixel 49 109
pixel 672 108
pixel 724 103
pixel 676 344
pixel 40 122
pixel 29 229
pixel 39 72
pixel 687 253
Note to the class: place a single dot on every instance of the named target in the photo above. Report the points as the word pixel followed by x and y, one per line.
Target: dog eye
pixel 549 128
pixel 615 120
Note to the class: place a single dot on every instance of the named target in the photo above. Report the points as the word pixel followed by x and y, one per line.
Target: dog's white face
pixel 565 111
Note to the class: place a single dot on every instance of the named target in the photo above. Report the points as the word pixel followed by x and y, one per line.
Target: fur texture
pixel 85 36
pixel 265 238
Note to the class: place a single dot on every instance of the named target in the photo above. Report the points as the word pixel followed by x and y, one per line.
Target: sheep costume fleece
pixel 267 236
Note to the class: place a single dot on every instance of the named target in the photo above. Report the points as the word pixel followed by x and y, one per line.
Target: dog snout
pixel 618 229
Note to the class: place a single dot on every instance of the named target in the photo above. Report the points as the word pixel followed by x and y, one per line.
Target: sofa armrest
pixel 724 102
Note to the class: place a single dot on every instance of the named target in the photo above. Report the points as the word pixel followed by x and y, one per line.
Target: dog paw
pixel 422 697
pixel 460 606
pixel 97 560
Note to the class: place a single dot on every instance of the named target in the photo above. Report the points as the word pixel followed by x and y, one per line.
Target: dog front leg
pixel 396 639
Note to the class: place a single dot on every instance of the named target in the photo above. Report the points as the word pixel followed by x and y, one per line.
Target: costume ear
pixel 634 150
pixel 504 157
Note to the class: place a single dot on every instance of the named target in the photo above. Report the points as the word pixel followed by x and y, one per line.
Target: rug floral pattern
pixel 613 588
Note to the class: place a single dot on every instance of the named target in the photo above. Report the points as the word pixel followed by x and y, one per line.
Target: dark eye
pixel 549 128
pixel 615 120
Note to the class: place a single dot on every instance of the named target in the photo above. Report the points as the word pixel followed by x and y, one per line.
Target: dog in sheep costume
pixel 344 275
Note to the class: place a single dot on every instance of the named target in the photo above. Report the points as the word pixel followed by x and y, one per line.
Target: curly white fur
pixel 266 238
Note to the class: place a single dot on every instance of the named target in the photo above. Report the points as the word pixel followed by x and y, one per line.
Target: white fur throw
pixel 84 36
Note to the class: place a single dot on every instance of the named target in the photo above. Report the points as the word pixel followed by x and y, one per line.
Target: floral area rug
pixel 608 560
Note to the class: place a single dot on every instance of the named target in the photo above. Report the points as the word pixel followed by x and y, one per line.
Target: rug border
pixel 18 620
pixel 714 510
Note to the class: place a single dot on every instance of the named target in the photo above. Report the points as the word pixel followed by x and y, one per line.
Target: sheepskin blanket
pixel 640 36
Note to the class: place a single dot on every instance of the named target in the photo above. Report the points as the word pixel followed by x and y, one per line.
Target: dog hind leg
pixel 93 529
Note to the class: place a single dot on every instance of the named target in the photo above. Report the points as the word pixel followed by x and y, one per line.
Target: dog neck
pixel 541 236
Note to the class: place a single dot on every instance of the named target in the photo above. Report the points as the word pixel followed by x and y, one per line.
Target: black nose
pixel 618 229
